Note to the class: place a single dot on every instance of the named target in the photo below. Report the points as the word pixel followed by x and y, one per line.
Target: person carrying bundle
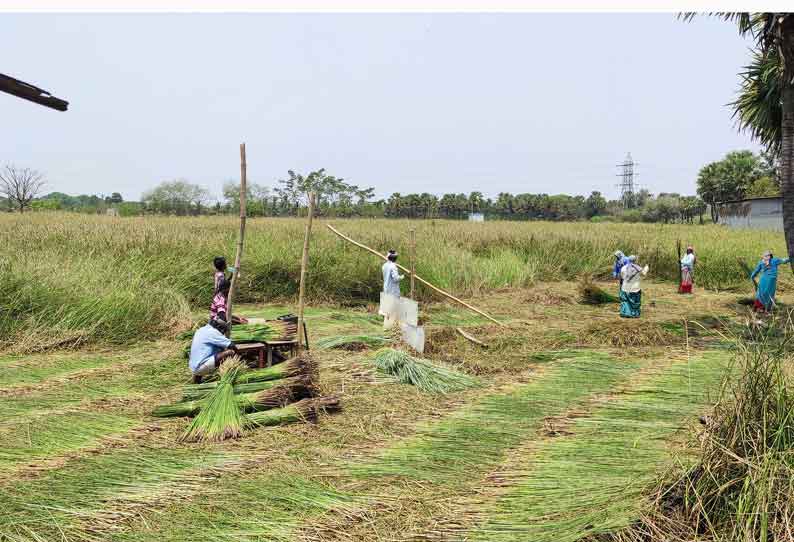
pixel 687 271
pixel 767 286
pixel 631 288
pixel 210 347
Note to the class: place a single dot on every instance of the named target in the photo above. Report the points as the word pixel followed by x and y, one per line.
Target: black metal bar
pixel 26 91
pixel 305 335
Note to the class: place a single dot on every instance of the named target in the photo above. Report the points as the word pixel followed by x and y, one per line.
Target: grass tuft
pixel 428 377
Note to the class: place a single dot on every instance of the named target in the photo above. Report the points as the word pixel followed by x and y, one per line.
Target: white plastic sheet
pixel 413 336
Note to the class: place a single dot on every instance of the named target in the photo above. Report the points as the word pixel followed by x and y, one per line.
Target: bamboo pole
pixel 304 265
pixel 420 279
pixel 413 261
pixel 240 237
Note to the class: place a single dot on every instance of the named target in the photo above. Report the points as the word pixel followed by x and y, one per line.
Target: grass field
pixel 575 415
pixel 76 279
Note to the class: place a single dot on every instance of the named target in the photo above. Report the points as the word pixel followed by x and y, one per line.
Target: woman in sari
pixel 687 271
pixel 631 288
pixel 767 286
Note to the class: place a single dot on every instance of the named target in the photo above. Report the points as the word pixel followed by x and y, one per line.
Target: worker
pixel 220 272
pixel 687 271
pixel 220 303
pixel 210 348
pixel 767 286
pixel 391 275
pixel 631 288
pixel 620 261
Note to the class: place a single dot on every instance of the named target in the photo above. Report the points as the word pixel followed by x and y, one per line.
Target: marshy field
pixel 572 425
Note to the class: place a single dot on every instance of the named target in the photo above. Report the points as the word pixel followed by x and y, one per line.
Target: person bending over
pixel 209 349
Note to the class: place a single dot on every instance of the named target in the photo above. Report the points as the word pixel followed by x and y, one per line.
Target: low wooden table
pixel 264 350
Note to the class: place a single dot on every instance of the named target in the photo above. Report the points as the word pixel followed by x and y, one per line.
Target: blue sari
pixel 767 286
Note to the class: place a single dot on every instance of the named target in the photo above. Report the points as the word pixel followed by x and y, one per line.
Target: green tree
pixel 178 196
pixel 596 204
pixel 763 187
pixel 728 179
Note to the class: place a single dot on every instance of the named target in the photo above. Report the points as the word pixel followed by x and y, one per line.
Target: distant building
pixel 756 213
pixel 112 211
pixel 476 217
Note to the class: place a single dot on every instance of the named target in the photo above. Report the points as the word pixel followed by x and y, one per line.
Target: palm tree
pixel 765 106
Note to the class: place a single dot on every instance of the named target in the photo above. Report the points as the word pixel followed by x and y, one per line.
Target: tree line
pixel 337 198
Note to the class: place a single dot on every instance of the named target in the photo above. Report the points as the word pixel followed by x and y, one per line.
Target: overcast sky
pixel 402 102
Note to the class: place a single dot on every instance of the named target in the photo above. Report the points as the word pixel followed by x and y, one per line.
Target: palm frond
pixel 758 108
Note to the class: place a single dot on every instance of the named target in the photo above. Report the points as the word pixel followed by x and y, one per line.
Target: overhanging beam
pixel 27 91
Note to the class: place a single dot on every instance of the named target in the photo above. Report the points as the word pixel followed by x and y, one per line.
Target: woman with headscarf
pixel 631 288
pixel 687 271
pixel 767 286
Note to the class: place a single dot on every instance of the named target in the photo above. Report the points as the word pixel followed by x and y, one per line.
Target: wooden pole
pixel 240 237
pixel 413 260
pixel 304 265
pixel 420 279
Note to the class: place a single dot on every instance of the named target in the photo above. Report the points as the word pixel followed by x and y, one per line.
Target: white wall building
pixel 756 213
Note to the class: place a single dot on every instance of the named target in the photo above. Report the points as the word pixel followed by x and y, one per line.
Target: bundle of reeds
pixel 220 418
pixel 270 330
pixel 305 410
pixel 423 374
pixel 298 366
pixel 593 295
pixel 352 342
pixel 248 397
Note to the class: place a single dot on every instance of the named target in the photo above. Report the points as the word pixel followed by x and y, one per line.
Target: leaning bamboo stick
pixel 420 279
pixel 304 265
pixel 240 238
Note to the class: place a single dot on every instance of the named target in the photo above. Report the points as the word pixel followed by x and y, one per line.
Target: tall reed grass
pixel 69 279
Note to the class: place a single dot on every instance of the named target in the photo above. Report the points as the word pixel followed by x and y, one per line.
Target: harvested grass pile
pixel 269 330
pixel 352 342
pixel 255 379
pixel 627 333
pixel 742 485
pixel 242 398
pixel 302 411
pixel 220 418
pixel 593 295
pixel 425 375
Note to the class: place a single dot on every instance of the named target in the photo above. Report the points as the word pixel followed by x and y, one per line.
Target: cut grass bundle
pixel 593 295
pixel 305 410
pixel 352 342
pixel 250 396
pixel 221 418
pixel 421 373
pixel 271 330
pixel 246 381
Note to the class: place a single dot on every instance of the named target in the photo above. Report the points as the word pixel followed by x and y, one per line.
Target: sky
pixel 529 102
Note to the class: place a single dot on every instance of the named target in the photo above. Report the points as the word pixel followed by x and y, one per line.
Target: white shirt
pixel 632 277
pixel 391 279
pixel 688 261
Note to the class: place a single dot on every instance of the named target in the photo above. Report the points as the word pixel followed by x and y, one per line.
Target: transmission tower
pixel 627 185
